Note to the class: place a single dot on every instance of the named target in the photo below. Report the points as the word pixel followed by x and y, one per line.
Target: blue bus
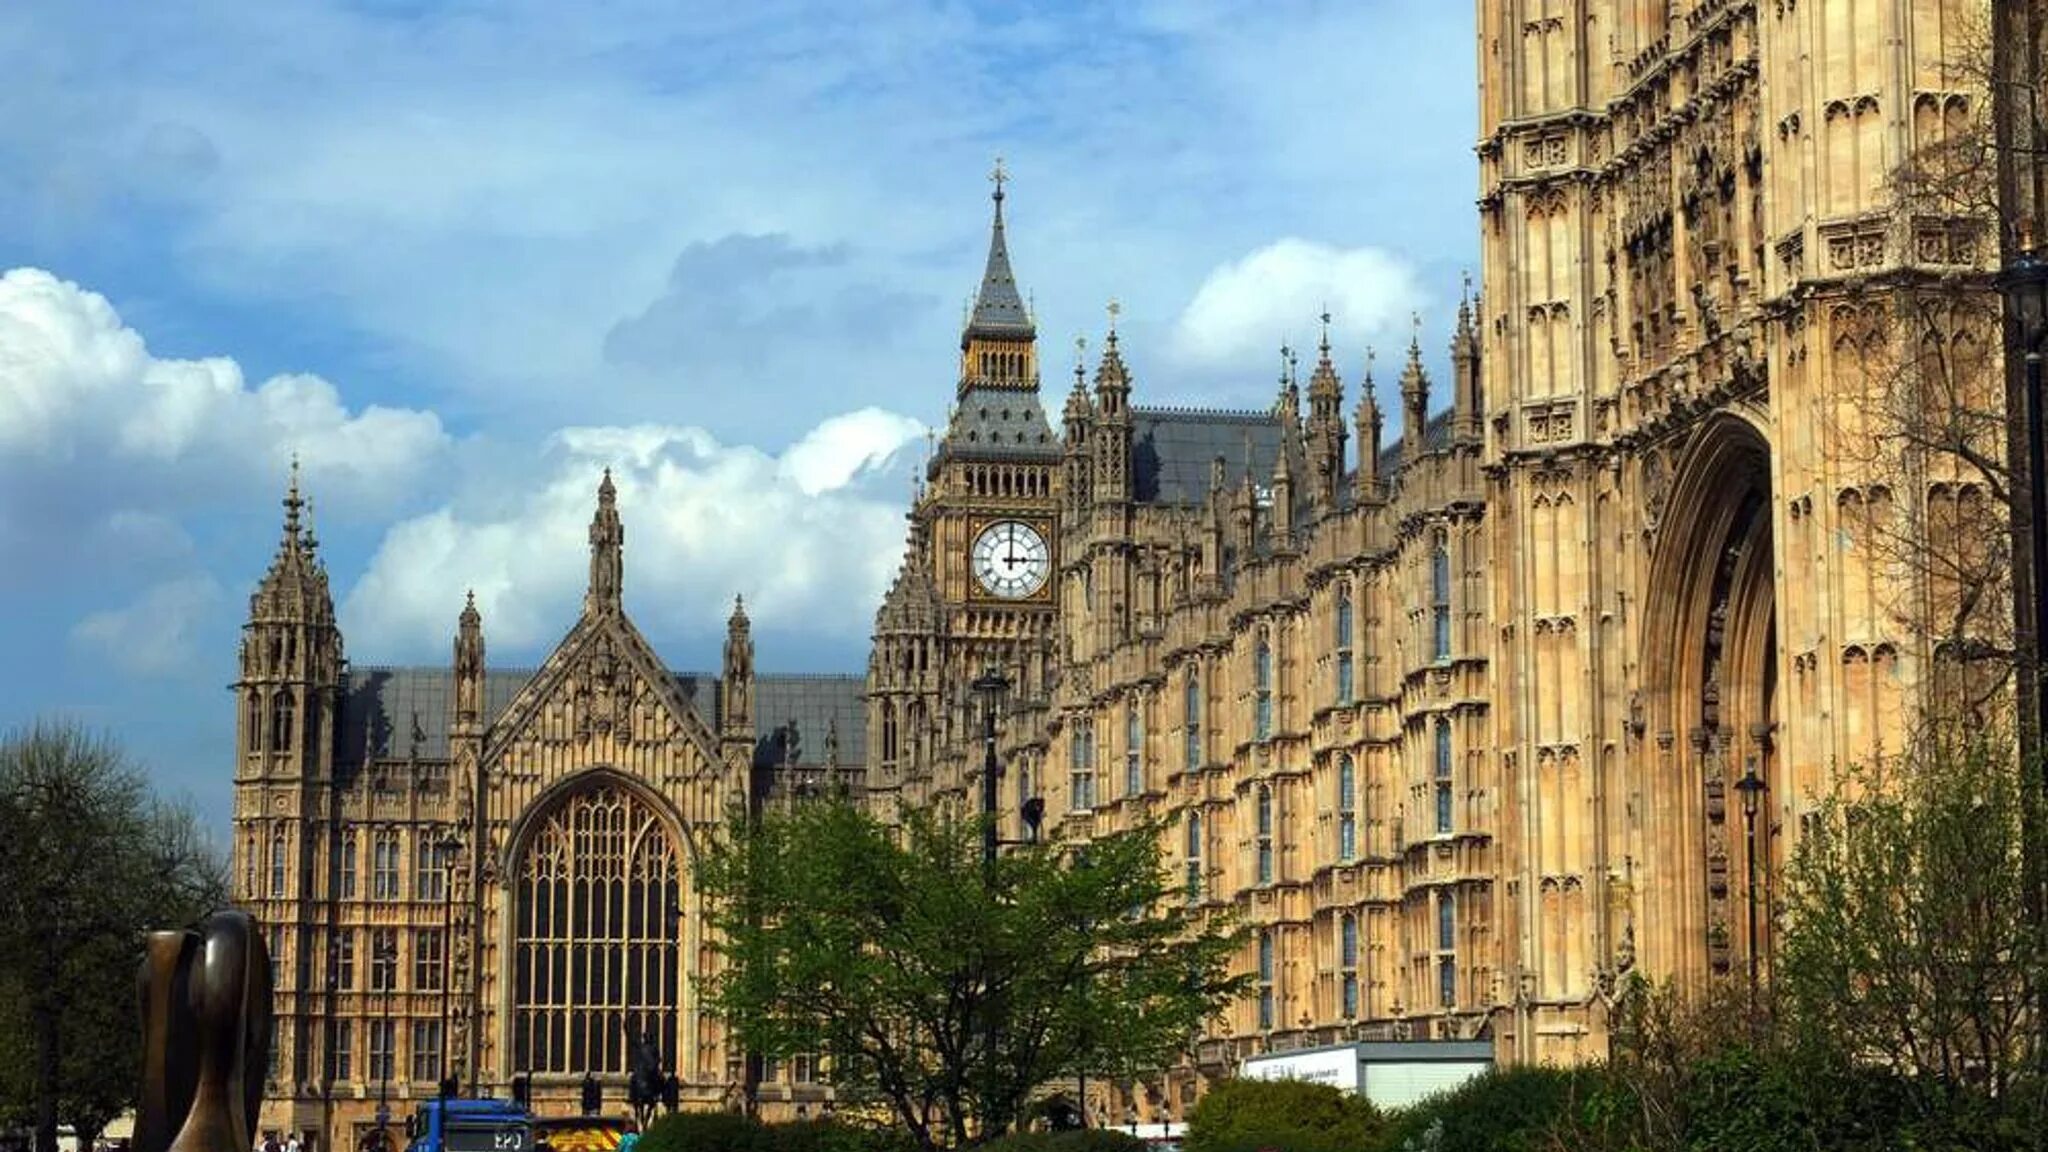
pixel 447 1125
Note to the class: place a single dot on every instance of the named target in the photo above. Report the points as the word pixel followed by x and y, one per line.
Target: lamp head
pixel 1752 788
pixel 2024 284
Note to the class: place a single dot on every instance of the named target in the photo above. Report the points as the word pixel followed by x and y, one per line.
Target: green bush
pixel 706 1132
pixel 1505 1109
pixel 730 1132
pixel 1283 1115
pixel 1077 1140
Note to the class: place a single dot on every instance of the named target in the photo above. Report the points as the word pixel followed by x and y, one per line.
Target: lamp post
pixel 1752 788
pixel 447 846
pixel 989 686
pixel 2024 284
pixel 384 957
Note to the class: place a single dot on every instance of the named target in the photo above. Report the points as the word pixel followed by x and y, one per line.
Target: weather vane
pixel 999 176
pixel 1115 309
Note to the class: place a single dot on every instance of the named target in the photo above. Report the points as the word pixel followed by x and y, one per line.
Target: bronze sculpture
pixel 205 998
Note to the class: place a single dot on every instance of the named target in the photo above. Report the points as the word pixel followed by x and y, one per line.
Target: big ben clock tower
pixel 976 588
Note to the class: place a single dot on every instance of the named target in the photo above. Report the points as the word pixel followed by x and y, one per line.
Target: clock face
pixel 1011 559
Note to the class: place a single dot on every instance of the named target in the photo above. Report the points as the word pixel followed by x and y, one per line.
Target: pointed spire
pixel 1415 399
pixel 292 502
pixel 736 687
pixel 1112 379
pixel 294 587
pixel 469 663
pixel 998 309
pixel 607 540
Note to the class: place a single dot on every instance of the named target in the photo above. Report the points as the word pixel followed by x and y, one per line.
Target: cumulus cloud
pixel 1245 308
pixel 810 537
pixel 78 386
pixel 157 634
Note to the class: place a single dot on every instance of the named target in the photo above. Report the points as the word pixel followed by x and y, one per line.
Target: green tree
pixel 949 992
pixel 1905 939
pixel 89 860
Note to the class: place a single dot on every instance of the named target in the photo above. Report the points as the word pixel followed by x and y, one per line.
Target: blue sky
pixel 461 256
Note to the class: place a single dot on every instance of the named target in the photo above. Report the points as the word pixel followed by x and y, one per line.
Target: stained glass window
pixel 594 936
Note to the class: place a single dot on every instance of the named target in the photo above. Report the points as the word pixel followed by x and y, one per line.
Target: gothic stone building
pixel 1450 712
pixel 1454 719
pixel 487 871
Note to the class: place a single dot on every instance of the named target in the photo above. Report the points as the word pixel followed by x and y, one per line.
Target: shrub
pixel 729 1132
pixel 1286 1115
pixel 1077 1140
pixel 705 1132
pixel 1508 1109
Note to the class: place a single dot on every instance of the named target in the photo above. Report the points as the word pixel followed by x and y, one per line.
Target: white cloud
pixel 78 386
pixel 1248 307
pixel 831 455
pixel 810 538
pixel 156 634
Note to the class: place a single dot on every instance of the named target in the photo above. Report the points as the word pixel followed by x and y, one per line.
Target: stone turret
pixel 1414 402
pixel 1326 433
pixel 1370 485
pixel 291 657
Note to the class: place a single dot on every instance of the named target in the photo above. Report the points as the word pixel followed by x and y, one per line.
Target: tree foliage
pixel 1905 935
pixel 89 861
pixel 950 993
pixel 1246 1115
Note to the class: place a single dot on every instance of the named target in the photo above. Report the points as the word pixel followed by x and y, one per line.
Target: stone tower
pixel 983 556
pixel 288 692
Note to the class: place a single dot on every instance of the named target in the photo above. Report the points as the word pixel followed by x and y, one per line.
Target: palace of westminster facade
pixel 1451 712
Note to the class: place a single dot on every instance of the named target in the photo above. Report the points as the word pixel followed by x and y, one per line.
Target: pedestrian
pixel 291 1143
pixel 270 1142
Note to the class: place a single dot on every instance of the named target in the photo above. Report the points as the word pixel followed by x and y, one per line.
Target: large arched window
pixel 1347 963
pixel 594 935
pixel 1194 857
pixel 1263 847
pixel 1191 706
pixel 280 873
pixel 1262 685
pixel 1266 968
pixel 1442 774
pixel 281 722
pixel 1347 808
pixel 1134 747
pixel 1440 596
pixel 1345 666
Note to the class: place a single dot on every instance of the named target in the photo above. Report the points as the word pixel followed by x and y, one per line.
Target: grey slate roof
pixel 998 309
pixel 397 713
pixel 1171 450
pixel 817 705
pixel 1004 422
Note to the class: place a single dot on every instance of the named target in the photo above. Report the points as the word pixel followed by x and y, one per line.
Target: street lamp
pixel 384 958
pixel 989 686
pixel 2024 284
pixel 447 846
pixel 1752 788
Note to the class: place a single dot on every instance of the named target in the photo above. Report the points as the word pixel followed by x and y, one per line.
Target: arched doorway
pixel 1710 669
pixel 596 962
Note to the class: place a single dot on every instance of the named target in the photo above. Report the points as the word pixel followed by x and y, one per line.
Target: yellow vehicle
pixel 581 1133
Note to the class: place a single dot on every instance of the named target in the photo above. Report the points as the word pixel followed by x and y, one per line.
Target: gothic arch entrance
pixel 1710 669
pixel 596 889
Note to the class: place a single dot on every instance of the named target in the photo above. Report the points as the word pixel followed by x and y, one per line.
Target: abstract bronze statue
pixel 205 994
